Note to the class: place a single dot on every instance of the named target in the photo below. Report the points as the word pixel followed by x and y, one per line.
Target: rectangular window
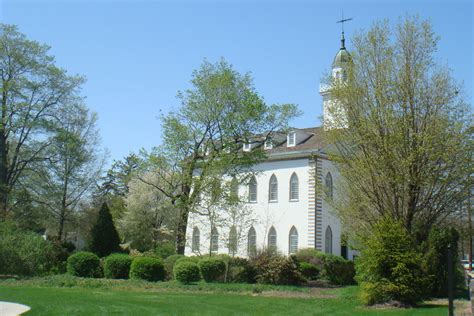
pixel 247 147
pixel 273 192
pixel 268 144
pixel 291 139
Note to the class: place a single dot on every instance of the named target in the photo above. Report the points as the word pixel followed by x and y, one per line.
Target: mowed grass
pixel 193 300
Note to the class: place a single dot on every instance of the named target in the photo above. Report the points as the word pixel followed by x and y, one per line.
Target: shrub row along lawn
pixel 71 296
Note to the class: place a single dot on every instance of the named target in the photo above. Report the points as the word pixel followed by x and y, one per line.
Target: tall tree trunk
pixel 183 220
pixel 4 185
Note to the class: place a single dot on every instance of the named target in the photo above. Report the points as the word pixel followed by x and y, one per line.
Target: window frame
pixel 251 242
pixel 196 240
pixel 293 232
pixel 291 136
pixel 294 177
pixel 253 184
pixel 272 232
pixel 273 185
pixel 214 243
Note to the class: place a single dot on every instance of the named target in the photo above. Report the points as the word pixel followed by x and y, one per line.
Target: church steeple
pixel 343 41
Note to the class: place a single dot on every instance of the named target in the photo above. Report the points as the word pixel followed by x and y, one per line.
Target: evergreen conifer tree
pixel 104 238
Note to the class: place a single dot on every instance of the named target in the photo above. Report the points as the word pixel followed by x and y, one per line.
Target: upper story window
pixel 234 189
pixel 273 189
pixel 329 185
pixel 268 144
pixel 253 190
pixel 291 141
pixel 294 187
pixel 247 146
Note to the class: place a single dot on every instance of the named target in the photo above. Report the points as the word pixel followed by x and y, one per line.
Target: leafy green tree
pixel 203 138
pixel 74 164
pixel 149 219
pixel 406 151
pixel 32 89
pixel 104 238
pixel 436 260
pixel 389 269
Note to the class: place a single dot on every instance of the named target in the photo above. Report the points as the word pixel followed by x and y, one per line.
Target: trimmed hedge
pixel 212 268
pixel 169 263
pixel 83 264
pixel 186 272
pixel 117 266
pixel 147 268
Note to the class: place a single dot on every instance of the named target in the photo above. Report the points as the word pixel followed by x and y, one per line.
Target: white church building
pixel 291 210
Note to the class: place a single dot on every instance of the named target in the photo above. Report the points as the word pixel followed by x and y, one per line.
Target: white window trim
pixel 268 144
pixel 291 136
pixel 247 146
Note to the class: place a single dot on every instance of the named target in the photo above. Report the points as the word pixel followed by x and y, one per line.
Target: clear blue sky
pixel 137 54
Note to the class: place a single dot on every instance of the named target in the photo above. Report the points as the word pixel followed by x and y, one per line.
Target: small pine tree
pixel 104 238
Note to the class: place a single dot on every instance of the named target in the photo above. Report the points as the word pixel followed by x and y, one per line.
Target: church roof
pixel 314 141
pixel 342 57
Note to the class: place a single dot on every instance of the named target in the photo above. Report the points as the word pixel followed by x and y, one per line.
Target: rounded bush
pixel 169 263
pixel 194 259
pixel 212 268
pixel 117 266
pixel 186 272
pixel 280 271
pixel 309 271
pixel 83 264
pixel 147 268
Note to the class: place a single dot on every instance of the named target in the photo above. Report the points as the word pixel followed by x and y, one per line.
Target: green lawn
pixel 194 300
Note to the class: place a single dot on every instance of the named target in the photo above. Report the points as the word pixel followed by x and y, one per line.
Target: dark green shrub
pixel 186 272
pixel 104 238
pixel 165 249
pixel 436 260
pixel 309 271
pixel 280 271
pixel 338 270
pixel 335 269
pixel 240 271
pixel 117 266
pixel 147 268
pixel 24 252
pixel 83 264
pixel 389 268
pixel 212 268
pixel 169 263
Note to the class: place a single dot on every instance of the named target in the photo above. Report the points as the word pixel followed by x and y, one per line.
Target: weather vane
pixel 342 20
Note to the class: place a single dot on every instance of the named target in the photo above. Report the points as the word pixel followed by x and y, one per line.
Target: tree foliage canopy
pixel 406 151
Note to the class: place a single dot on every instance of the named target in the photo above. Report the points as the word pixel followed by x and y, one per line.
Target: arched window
pixel 233 241
pixel 252 242
pixel 234 189
pixel 328 241
pixel 293 241
pixel 273 189
pixel 214 240
pixel 329 185
pixel 196 240
pixel 294 187
pixel 253 190
pixel 272 238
